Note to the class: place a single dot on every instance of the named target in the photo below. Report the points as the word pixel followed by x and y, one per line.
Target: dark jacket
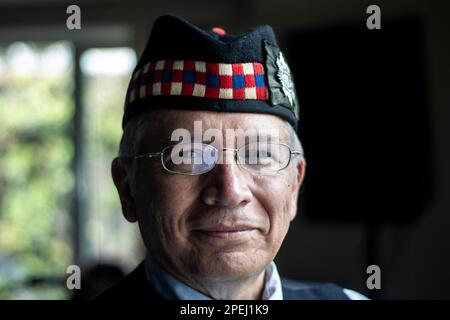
pixel 136 286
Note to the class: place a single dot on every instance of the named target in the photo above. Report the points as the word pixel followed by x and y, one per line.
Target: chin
pixel 231 265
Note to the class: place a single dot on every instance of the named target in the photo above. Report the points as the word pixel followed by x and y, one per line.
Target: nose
pixel 227 186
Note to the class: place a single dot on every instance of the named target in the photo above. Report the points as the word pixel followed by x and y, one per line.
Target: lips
pixel 224 232
pixel 225 228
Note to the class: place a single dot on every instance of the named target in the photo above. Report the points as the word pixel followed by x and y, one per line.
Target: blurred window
pixel 37 174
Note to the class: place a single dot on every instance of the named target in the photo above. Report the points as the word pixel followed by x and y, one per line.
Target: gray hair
pixel 136 128
pixel 129 144
pixel 296 145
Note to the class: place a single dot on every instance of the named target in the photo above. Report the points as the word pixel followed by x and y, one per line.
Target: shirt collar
pixel 171 288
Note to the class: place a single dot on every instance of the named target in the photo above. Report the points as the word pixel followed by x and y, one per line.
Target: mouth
pixel 226 232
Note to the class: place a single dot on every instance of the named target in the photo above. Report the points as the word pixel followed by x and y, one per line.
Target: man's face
pixel 225 224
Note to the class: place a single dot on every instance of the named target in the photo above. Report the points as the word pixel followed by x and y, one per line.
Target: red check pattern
pixel 238 81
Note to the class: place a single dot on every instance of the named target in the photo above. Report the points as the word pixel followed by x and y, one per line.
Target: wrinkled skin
pixel 176 213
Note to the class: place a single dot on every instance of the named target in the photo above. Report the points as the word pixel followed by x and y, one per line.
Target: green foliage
pixel 109 235
pixel 35 177
pixel 37 180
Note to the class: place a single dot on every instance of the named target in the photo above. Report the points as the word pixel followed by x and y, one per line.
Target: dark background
pixel 375 123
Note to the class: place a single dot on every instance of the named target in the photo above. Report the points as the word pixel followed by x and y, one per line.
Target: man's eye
pixel 264 154
pixel 192 153
pixel 258 153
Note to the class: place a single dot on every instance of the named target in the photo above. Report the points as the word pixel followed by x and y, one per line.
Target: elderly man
pixel 210 166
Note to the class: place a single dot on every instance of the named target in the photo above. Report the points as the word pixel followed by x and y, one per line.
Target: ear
pixel 121 179
pixel 297 185
pixel 300 176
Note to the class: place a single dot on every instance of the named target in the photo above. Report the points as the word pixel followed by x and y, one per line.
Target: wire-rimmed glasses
pixel 197 158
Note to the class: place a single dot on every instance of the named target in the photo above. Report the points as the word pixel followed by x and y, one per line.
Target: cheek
pixel 161 206
pixel 164 191
pixel 177 197
pixel 275 194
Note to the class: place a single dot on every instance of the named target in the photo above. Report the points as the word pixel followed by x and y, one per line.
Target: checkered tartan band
pixel 237 81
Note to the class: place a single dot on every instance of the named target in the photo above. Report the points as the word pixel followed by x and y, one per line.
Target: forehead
pixel 162 123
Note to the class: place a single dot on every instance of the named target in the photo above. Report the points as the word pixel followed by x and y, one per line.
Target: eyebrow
pixel 261 134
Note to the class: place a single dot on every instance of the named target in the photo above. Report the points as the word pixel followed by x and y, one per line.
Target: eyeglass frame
pixel 235 151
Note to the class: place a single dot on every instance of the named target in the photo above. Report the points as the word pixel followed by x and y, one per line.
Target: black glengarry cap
pixel 185 67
